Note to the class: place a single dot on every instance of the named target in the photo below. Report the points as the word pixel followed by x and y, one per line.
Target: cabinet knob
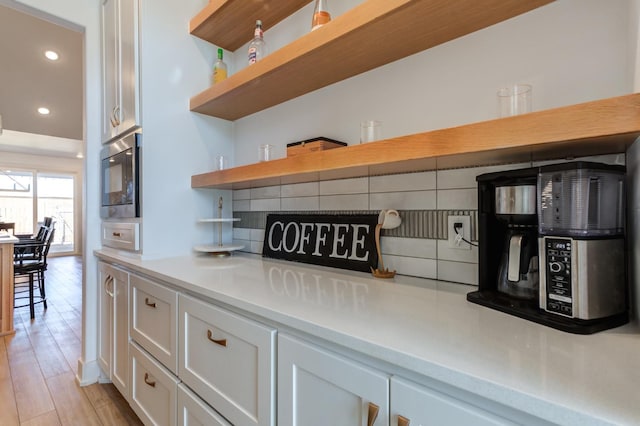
pixel 373 414
pixel 149 382
pixel 403 421
pixel 221 342
pixel 116 234
pixel 149 303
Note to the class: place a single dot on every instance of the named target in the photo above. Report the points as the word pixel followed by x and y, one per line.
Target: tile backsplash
pixel 419 247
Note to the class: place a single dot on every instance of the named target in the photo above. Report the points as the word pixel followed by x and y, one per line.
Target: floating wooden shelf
pixel 592 128
pixel 371 34
pixel 229 23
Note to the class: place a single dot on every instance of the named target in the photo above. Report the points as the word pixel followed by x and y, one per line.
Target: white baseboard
pixel 88 372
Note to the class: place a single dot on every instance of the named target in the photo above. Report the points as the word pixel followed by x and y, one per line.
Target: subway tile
pixel 345 186
pixel 458 272
pixel 242 205
pixel 256 247
pixel 265 205
pixel 413 266
pixel 457 255
pixel 466 177
pixel 412 200
pixel 265 192
pixel 300 203
pixel 241 234
pixel 457 199
pixel 308 189
pixel 344 202
pixel 257 235
pixel 403 182
pixel 415 247
pixel 242 194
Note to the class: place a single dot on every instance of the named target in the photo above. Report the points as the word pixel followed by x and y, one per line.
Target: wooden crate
pixel 312 145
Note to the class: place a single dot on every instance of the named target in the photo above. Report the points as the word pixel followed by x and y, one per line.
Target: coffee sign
pixel 346 241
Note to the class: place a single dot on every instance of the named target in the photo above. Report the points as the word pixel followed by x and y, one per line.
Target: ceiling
pixel 28 81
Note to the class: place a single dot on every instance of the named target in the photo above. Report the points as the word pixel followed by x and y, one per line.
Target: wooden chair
pixel 29 265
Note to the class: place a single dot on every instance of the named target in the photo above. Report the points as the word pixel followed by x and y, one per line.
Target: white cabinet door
pixel 415 405
pixel 318 388
pixel 192 411
pixel 229 361
pixel 113 350
pixel 105 301
pixel 120 360
pixel 120 67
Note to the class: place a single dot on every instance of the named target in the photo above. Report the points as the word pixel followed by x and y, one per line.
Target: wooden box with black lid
pixel 312 145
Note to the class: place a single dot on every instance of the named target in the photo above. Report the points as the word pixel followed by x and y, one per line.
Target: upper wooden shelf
pixel 369 35
pixel 600 127
pixel 229 23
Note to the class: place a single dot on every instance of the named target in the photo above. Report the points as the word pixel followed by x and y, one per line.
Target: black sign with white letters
pixel 346 242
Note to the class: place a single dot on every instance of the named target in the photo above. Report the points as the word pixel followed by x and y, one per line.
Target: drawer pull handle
pixel 403 421
pixel 221 342
pixel 373 414
pixel 116 234
pixel 149 304
pixel 149 382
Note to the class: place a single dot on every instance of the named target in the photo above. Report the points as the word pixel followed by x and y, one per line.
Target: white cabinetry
pixel 120 67
pixel 413 404
pixel 229 361
pixel 113 350
pixel 154 320
pixel 154 390
pixel 317 388
pixel 192 411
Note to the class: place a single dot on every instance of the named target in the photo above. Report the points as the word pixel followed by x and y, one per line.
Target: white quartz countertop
pixel 8 239
pixel 428 327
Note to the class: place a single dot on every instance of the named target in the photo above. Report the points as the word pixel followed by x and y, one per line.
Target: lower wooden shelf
pixel 599 127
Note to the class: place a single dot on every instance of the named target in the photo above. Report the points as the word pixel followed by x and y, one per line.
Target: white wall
pixel 176 142
pixel 84 15
pixel 571 51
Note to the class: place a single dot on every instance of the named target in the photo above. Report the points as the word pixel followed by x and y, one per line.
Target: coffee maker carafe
pixel 518 272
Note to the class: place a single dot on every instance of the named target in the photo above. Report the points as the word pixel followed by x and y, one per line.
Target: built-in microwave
pixel 120 177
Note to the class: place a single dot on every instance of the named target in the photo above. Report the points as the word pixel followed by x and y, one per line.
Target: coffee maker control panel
pixel 558 276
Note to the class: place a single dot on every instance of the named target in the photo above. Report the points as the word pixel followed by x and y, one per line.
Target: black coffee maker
pixel 509 225
pixel 508 241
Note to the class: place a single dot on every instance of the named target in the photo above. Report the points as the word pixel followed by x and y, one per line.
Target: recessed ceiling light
pixel 44 111
pixel 51 55
pixel 79 155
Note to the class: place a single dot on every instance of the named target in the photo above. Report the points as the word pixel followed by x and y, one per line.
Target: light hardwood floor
pixel 38 364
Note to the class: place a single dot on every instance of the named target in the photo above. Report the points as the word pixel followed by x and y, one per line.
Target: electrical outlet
pixel 464 230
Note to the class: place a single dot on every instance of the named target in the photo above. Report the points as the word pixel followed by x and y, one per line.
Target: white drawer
pixel 153 389
pixel 121 235
pixel 192 411
pixel 229 361
pixel 154 321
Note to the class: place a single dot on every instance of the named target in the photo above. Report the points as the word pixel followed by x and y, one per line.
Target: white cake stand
pixel 220 249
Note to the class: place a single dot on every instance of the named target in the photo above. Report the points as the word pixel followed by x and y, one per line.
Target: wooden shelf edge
pixel 596 127
pixel 368 36
pixel 229 23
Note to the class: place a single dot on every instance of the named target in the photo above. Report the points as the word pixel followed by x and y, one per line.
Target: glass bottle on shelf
pixel 321 14
pixel 219 69
pixel 257 47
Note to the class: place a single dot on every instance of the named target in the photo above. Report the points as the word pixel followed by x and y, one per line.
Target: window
pixel 27 197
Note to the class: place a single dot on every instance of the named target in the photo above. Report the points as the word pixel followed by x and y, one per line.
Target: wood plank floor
pixel 38 364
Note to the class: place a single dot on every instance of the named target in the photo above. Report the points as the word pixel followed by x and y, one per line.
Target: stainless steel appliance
pixel 582 244
pixel 120 178
pixel 551 245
